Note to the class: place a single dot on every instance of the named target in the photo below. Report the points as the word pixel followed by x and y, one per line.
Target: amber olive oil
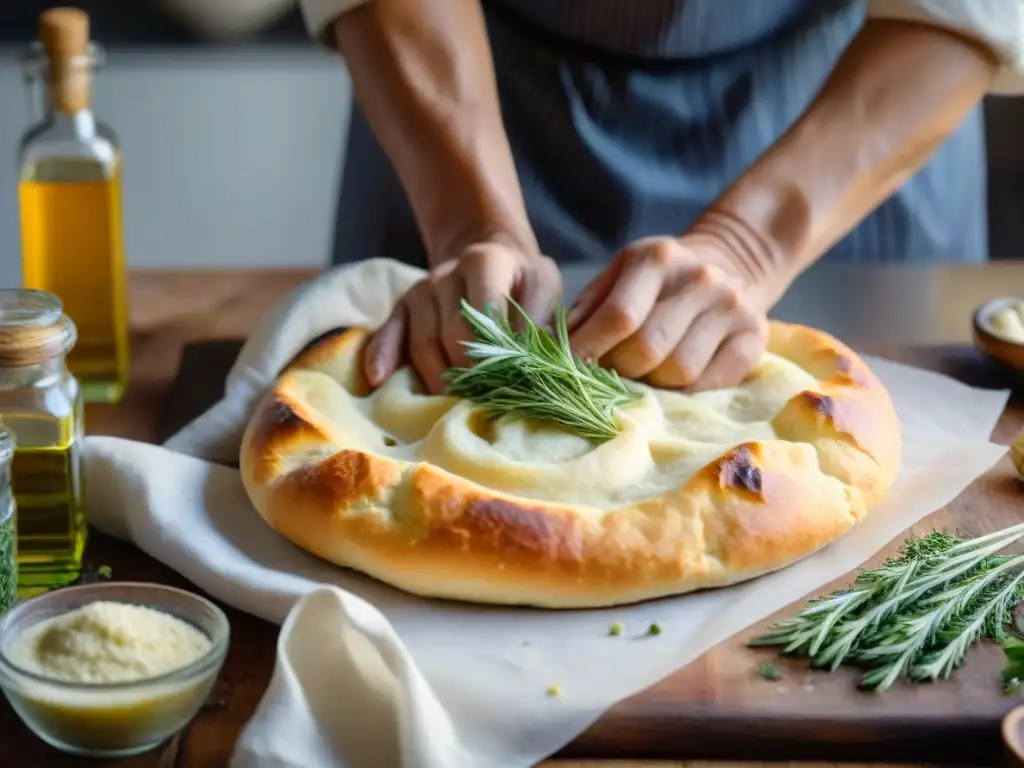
pixel 47 484
pixel 72 246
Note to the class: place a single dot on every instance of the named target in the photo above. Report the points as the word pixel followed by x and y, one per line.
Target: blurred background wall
pixel 232 147
pixel 233 126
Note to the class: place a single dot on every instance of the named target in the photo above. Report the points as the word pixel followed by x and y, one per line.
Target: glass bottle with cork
pixel 41 406
pixel 70 200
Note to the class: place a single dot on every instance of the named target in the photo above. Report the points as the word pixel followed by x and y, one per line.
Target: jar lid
pixel 33 327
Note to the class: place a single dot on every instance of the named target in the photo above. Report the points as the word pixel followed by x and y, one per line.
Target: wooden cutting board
pixel 720 706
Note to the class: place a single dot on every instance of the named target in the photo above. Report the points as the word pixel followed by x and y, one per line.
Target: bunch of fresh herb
pixel 8 565
pixel 534 374
pixel 916 615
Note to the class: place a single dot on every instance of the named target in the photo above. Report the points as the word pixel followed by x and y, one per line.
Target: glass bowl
pixel 112 719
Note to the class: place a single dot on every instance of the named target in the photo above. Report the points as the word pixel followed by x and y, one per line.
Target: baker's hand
pixel 425 327
pixel 674 312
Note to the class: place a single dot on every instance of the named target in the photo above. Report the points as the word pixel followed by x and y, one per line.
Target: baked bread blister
pixel 432 496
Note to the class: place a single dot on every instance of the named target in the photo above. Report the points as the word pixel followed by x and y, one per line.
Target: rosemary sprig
pixel 533 374
pixel 916 615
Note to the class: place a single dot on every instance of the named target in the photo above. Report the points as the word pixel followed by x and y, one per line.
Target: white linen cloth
pixel 367 676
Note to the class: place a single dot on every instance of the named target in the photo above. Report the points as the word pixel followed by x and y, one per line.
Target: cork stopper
pixel 64 32
pixel 64 36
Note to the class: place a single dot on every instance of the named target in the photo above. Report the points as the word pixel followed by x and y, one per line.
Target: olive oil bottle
pixel 70 202
pixel 41 405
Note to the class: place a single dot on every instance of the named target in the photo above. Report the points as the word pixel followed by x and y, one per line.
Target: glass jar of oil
pixel 41 405
pixel 70 199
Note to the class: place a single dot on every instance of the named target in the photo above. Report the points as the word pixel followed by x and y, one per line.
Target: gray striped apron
pixel 628 117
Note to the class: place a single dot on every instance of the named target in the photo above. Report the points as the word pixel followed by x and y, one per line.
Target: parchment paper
pixel 369 676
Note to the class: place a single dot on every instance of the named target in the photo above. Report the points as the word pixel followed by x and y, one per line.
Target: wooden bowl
pixel 1013 738
pixel 1004 350
pixel 226 20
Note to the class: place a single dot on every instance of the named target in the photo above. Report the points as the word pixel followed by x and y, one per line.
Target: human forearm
pixel 424 78
pixel 895 95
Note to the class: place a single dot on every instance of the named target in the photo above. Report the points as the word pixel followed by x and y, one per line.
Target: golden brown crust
pixel 758 506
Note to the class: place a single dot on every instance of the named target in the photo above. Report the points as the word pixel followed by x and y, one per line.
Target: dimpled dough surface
pixel 431 495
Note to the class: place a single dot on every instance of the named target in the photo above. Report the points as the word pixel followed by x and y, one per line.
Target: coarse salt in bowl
pixel 110 719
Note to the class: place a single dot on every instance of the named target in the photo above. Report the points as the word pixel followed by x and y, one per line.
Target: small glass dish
pixel 112 719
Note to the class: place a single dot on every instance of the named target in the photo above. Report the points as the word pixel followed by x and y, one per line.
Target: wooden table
pixel 716 708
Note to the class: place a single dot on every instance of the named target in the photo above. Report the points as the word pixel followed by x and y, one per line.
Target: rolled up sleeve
pixel 996 24
pixel 320 14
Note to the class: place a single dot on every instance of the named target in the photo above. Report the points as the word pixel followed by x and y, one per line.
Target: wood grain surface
pixel 716 708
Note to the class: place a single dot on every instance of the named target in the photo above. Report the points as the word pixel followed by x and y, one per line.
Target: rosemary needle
pixel 533 374
pixel 916 615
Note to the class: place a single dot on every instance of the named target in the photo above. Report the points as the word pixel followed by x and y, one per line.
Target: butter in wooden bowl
pixel 1008 321
pixel 999 330
pixel 111 669
pixel 1017 453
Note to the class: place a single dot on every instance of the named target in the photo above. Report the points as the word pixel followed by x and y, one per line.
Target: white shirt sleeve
pixel 998 24
pixel 319 14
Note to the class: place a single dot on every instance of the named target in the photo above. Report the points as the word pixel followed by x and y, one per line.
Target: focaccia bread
pixel 430 495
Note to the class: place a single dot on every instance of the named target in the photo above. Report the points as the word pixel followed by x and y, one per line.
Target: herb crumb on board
pixel 1013 658
pixel 554 690
pixel 769 671
pixel 615 629
pixel 654 629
